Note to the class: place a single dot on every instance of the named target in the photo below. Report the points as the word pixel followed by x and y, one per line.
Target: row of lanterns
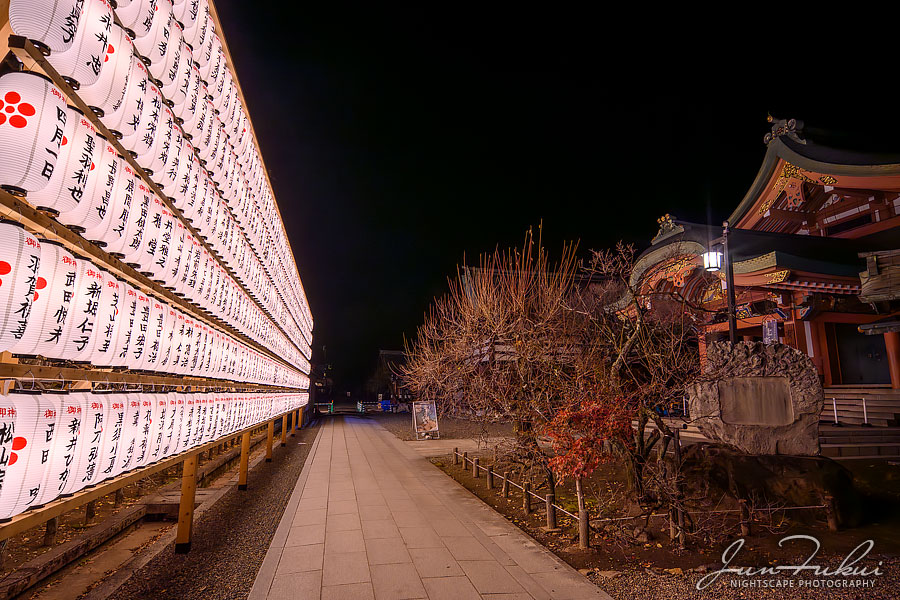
pixel 54 444
pixel 58 305
pixel 76 173
pixel 163 84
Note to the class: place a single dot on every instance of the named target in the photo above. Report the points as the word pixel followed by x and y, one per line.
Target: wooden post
pixel 506 484
pixel 679 511
pixel 526 498
pixel 270 436
pixel 475 468
pixel 584 524
pixel 120 496
pixel 456 456
pixel 551 513
pixel 245 461
pixel 465 460
pixel 673 530
pixel 490 477
pixel 90 511
pixel 745 518
pixel 293 422
pixel 186 506
pixel 831 513
pixel 50 531
pixel 284 422
pixel 3 544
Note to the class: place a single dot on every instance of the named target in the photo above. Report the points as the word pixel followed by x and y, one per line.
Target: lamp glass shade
pixel 712 260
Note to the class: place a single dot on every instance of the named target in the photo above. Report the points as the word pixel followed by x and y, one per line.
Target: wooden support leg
pixel 245 461
pixel 506 484
pixel 50 532
pixel 90 511
pixel 270 436
pixel 120 496
pixel 293 422
pixel 3 544
pixel 284 422
pixel 186 507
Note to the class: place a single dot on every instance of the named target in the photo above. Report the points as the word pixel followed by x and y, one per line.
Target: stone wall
pixel 759 398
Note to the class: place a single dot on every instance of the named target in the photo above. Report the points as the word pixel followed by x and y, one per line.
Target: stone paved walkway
pixel 371 518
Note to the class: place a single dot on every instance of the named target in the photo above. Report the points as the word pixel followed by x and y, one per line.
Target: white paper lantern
pixel 83 63
pixel 126 119
pixel 157 32
pixel 143 140
pixel 167 142
pixel 158 426
pixel 54 289
pixel 19 420
pixel 107 94
pixel 167 338
pixel 116 236
pixel 93 423
pixel 20 255
pixel 103 348
pixel 137 224
pixel 98 209
pixel 51 23
pixel 146 422
pixel 113 447
pixel 139 16
pixel 172 425
pixel 183 424
pixel 165 56
pixel 81 324
pixel 32 124
pixel 67 444
pixel 158 310
pixel 194 95
pixel 198 28
pixel 178 88
pixel 140 333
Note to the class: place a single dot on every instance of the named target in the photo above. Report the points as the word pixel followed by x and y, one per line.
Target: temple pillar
pixel 892 344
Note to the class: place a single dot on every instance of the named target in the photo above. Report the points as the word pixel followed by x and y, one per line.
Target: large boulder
pixel 773 480
pixel 759 398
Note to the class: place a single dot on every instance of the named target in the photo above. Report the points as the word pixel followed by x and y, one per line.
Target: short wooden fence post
pixel 456 456
pixel 745 518
pixel 584 524
pixel 551 513
pixel 506 484
pixel 245 461
pixel 490 478
pixel 50 531
pixel 831 513
pixel 270 437
pixel 284 422
pixel 475 468
pixel 120 496
pixel 465 460
pixel 186 506
pixel 526 498
pixel 293 422
pixel 90 511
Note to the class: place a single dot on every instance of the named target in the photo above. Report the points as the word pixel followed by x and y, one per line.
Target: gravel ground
pixel 230 540
pixel 651 585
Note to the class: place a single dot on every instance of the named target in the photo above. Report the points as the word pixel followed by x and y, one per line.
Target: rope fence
pixel 583 519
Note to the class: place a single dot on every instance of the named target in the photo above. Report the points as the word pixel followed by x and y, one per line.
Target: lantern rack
pixel 38 516
pixel 19 210
pixel 26 51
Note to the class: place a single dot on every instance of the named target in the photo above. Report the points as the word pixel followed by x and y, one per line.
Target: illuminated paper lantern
pixel 103 348
pixel 157 32
pixel 54 288
pixel 49 23
pixel 82 324
pixel 146 438
pixel 172 425
pixel 139 16
pixel 172 175
pixel 158 426
pixel 186 406
pixel 164 144
pixel 198 30
pixel 177 89
pixel 158 310
pixel 83 63
pixel 167 339
pixel 128 315
pixel 32 124
pixel 20 256
pixel 144 138
pixel 67 445
pixel 137 224
pixel 175 271
pixel 159 222
pixel 140 333
pixel 126 119
pixel 113 447
pixel 116 236
pixel 99 208
pixel 131 434
pixel 85 468
pixel 74 170
pixel 107 94
pixel 19 418
pixel 166 54
pixel 186 110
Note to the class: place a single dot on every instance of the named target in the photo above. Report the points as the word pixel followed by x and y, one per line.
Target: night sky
pixel 398 143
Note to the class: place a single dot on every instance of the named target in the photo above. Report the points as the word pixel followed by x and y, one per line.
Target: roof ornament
pixel 792 128
pixel 667 227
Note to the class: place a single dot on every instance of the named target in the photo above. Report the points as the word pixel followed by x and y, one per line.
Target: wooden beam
pixel 245 461
pixel 186 506
pixel 789 215
pixel 270 435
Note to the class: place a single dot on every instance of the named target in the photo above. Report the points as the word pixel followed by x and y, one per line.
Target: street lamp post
pixel 713 261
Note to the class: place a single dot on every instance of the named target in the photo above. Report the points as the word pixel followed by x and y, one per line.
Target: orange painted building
pixel 815 248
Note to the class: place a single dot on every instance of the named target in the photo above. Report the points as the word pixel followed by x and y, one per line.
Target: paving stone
pixel 298 559
pixel 489 577
pixel 342 507
pixel 348 591
pixel 451 588
pixel 348 567
pixel 295 586
pixel 435 562
pixel 386 551
pixel 380 529
pixel 466 548
pixel 309 517
pixel 420 537
pixel 374 513
pixel 306 534
pixel 340 542
pixel 397 582
pixel 342 523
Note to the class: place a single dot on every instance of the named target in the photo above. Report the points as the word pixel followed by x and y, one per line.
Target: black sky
pixel 398 143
